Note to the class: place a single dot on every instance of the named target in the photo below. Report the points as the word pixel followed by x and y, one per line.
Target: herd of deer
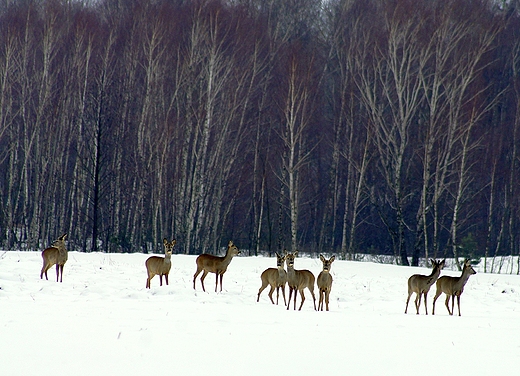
pixel 298 280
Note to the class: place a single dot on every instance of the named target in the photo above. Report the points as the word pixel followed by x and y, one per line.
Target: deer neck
pixel 291 273
pixel 62 252
pixel 228 257
pixel 463 279
pixel 434 275
pixel 60 246
pixel 435 272
pixel 281 272
pixel 167 258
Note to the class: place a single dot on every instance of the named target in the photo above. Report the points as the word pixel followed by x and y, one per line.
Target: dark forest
pixel 386 127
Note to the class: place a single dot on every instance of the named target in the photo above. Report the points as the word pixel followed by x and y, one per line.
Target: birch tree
pixel 390 88
pixel 297 104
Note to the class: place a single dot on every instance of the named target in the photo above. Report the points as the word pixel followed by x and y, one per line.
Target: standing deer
pixel 55 254
pixel 324 281
pixel 298 280
pixel 214 264
pixel 453 286
pixel 276 278
pixel 160 266
pixel 420 284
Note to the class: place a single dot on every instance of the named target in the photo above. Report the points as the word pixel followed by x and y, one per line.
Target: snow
pixel 102 321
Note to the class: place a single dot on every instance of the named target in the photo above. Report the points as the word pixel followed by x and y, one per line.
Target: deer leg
pixel 216 282
pixel 447 302
pixel 407 300
pixel 166 278
pixel 160 279
pixel 204 274
pixel 221 276
pixel 458 303
pixel 57 273
pixel 303 299
pixel 271 294
pixel 264 286
pixel 61 273
pixel 283 293
pixel 425 301
pixel 437 294
pixel 277 294
pixel 149 280
pixel 418 301
pixel 43 271
pixel 260 291
pixel 452 304
pixel 320 302
pixel 313 297
pixel 327 294
pixel 292 290
pixel 195 276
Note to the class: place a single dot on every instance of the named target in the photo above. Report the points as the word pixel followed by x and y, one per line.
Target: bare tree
pixel 297 106
pixel 390 88
pixel 466 108
pixel 351 143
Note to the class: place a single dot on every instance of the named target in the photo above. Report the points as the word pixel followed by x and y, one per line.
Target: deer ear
pixel 174 242
pixel 230 244
pixel 332 258
pixel 322 258
pixel 165 241
pixel 295 253
pixel 63 237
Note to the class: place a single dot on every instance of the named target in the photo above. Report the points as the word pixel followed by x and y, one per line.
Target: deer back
pixel 274 276
pixel 301 279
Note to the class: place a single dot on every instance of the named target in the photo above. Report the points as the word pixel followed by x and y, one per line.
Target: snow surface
pixel 102 321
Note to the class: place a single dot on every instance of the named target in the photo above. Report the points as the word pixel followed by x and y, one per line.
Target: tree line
pixel 347 126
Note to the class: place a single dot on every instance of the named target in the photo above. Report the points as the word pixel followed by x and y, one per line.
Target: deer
pixel 324 281
pixel 214 264
pixel 420 284
pixel 160 266
pixel 298 280
pixel 55 254
pixel 276 278
pixel 453 286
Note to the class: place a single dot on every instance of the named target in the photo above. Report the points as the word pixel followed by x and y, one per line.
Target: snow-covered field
pixel 102 321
